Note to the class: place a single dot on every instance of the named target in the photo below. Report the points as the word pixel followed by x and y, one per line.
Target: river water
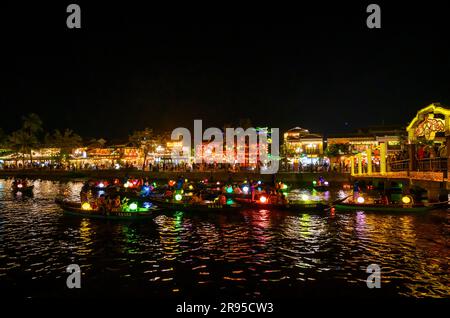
pixel 246 255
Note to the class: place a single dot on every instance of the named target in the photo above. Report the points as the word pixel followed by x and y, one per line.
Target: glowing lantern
pixel 127 184
pixel 86 206
pixel 406 200
pixel 230 201
pixel 245 189
pixel 191 187
pixel 262 199
pixel 259 182
pixel 305 197
pixel 133 206
pixel 284 186
pixel 217 182
pixel 101 185
pixel 147 205
pixel 326 183
pixel 186 180
pixel 314 182
pixel 229 189
pixel 360 200
pixel 178 197
pixel 19 185
pixel 171 183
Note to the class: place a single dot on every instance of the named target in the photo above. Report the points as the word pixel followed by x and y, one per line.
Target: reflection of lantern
pixel 360 200
pixel 305 197
pixel 263 199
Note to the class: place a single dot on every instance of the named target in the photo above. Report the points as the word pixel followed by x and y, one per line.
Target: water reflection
pixel 252 253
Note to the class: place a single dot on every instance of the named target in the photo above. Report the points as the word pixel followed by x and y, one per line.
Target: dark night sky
pixel 132 67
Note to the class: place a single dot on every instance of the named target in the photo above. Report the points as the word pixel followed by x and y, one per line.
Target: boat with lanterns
pixel 129 211
pixel 22 187
pixel 378 205
pixel 262 203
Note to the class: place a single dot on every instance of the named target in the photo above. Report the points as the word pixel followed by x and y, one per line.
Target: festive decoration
pixel 86 206
pixel 406 199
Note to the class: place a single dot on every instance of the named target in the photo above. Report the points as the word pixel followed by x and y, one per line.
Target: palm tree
pixel 66 141
pixel 23 142
pixel 32 123
pixel 145 140
pixel 25 139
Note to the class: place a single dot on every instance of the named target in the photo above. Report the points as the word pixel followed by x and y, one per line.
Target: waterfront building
pixel 303 150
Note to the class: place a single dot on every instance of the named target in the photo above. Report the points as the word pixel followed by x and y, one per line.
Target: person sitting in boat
pixel 384 199
pixel 196 198
pixel 273 197
pixel 101 203
pixel 222 199
pixel 282 199
pixel 115 204
pixel 168 193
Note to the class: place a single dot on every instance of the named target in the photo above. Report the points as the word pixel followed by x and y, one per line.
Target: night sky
pixel 131 67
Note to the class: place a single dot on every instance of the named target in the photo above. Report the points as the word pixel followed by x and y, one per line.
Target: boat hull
pixel 74 209
pixel 283 207
pixel 381 208
pixel 187 207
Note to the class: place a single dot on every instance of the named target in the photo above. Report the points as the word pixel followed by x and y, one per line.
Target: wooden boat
pixel 20 188
pixel 312 206
pixel 321 188
pixel 194 207
pixel 397 208
pixel 74 208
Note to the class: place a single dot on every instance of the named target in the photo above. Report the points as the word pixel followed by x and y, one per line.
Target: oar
pixel 336 202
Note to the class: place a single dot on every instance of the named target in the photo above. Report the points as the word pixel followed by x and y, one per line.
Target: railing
pixel 435 164
pixel 399 165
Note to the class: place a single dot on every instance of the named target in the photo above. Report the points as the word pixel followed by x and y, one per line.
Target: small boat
pixel 20 188
pixel 194 207
pixel 75 208
pixel 313 206
pixel 383 207
pixel 320 188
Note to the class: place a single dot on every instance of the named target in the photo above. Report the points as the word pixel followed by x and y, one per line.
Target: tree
pixel 26 139
pixel 145 140
pixel 32 124
pixel 245 123
pixel 23 142
pixel 66 141
pixel 335 150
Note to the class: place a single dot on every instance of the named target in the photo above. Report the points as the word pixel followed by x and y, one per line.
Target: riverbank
pixel 289 177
